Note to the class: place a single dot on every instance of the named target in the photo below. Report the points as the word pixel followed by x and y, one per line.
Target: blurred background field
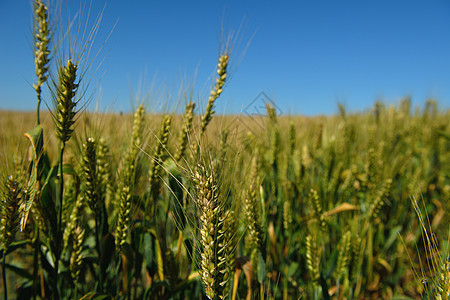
pixel 336 209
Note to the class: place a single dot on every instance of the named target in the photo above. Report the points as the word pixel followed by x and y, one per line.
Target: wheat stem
pixel 5 286
pixel 60 193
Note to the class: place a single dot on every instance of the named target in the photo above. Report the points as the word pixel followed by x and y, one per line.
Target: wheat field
pixel 205 206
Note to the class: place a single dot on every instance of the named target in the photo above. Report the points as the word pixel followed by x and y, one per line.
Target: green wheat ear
pixel 318 211
pixel 344 255
pixel 128 167
pixel 66 102
pixel 287 216
pixel 160 156
pixel 10 210
pixel 73 220
pixel 90 174
pixel 252 212
pixel 275 135
pixel 221 156
pixel 123 219
pixel 312 258
pixel 214 234
pixel 381 197
pixel 41 54
pixel 292 138
pixel 354 262
pixel 184 137
pixel 216 91
pixel 76 258
pixel 103 167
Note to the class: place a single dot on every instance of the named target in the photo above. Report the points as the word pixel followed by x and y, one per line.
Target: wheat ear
pixel 184 137
pixel 314 197
pixel 66 102
pixel 160 156
pixel 123 219
pixel 10 205
pixel 41 54
pixel 312 258
pixel 10 219
pixel 215 271
pixel 90 174
pixel 215 92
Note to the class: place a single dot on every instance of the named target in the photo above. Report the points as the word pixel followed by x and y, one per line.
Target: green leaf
pixel 393 236
pixel 176 187
pixel 19 271
pixel 92 296
pixel 261 269
pixel 148 250
pixel 88 296
pixel 69 170
pixel 444 134
pixel 159 260
pixel 51 174
pixel 172 168
pixel 148 294
pixel 330 264
pixel 293 267
pixel 101 297
pixel 128 253
pixel 401 297
pixel 48 202
pixel 158 255
pixel 36 138
pixel 263 207
pixel 14 246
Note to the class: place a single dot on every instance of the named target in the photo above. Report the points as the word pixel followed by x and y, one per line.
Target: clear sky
pixel 306 55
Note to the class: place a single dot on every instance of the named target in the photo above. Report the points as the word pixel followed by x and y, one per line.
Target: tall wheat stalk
pixel 64 119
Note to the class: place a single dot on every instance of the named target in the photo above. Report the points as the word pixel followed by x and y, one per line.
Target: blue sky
pixel 306 55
